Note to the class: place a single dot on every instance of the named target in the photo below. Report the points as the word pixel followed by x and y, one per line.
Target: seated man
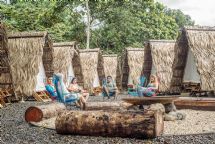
pixel 75 88
pixel 151 88
pixel 109 87
pixel 51 89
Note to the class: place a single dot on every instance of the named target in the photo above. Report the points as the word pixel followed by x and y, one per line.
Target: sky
pixel 201 11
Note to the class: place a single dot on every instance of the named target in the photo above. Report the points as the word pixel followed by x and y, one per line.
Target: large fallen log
pixel 107 105
pixel 148 124
pixel 39 113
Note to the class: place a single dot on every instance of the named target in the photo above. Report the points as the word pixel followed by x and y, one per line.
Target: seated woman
pixel 74 87
pixel 51 89
pixel 151 88
pixel 64 96
pixel 109 87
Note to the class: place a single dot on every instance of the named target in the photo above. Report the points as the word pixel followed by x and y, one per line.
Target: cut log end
pixel 33 114
pixel 38 113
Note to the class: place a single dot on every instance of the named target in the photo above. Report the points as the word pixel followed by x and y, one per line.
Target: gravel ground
pixel 195 122
pixel 14 130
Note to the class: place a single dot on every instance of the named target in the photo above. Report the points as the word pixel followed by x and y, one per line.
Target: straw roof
pixel 92 66
pixel 27 50
pixel 63 55
pixel 201 42
pixel 112 68
pixel 5 76
pixel 161 56
pixel 133 65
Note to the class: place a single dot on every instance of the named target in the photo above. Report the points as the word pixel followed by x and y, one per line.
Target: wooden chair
pixel 41 96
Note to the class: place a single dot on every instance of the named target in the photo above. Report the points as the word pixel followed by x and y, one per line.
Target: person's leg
pixel 86 96
pixel 105 90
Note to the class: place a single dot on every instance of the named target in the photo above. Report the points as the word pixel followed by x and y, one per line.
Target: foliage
pixel 114 24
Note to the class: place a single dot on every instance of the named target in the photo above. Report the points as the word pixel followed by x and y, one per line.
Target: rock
pixel 169 117
pixel 157 107
pixel 172 116
pixel 170 107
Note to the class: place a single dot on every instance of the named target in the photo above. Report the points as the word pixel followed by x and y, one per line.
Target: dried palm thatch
pixel 5 76
pixel 26 53
pixel 112 68
pixel 132 66
pixel 92 67
pixel 63 55
pixel 160 54
pixel 201 42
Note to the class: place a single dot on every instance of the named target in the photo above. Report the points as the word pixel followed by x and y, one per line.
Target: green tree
pixel 114 25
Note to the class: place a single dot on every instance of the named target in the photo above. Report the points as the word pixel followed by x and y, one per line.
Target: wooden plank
pixel 195 103
pixel 150 100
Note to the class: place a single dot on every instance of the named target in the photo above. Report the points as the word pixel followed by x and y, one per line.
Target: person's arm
pixel 72 88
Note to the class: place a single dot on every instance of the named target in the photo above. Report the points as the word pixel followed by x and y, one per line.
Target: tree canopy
pixel 114 24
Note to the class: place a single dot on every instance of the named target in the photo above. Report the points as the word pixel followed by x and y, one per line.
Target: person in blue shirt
pixel 51 89
pixel 109 87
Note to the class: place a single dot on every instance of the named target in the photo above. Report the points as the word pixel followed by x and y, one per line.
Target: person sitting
pixel 51 89
pixel 151 88
pixel 64 95
pixel 75 88
pixel 109 87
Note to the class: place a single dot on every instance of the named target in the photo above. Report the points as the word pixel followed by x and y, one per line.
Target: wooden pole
pixel 148 124
pixel 88 24
pixel 38 113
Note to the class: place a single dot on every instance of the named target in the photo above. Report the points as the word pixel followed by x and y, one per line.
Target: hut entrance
pixel 30 57
pixel 191 78
pixel 67 62
pixel 159 56
pixel 112 68
pixel 132 66
pixel 93 70
pixel 193 67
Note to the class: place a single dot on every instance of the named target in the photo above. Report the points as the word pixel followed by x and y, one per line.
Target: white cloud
pixel 201 11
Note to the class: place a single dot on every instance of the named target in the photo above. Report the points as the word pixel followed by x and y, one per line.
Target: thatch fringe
pixel 5 76
pixel 92 66
pixel 26 53
pixel 162 56
pixel 201 42
pixel 63 55
pixel 133 65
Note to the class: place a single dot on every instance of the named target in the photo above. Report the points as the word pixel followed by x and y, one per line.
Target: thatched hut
pixel 5 76
pixel 112 68
pixel 67 61
pixel 195 58
pixel 132 65
pixel 159 56
pixel 92 67
pixel 31 58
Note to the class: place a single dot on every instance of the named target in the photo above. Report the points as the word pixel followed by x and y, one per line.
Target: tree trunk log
pixel 132 124
pixel 38 113
pixel 107 105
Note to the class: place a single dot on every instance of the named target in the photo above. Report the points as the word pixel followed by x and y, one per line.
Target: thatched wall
pixel 133 65
pixel 5 76
pixel 160 56
pixel 26 52
pixel 63 55
pixel 92 66
pixel 112 68
pixel 201 42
